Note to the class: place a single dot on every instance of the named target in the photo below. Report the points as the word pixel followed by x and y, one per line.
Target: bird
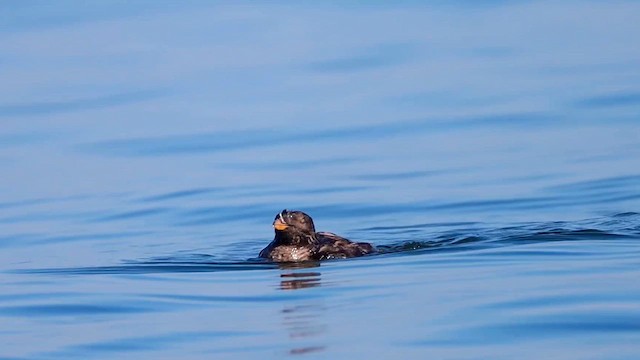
pixel 296 240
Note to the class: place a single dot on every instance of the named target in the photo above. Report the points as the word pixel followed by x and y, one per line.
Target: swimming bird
pixel 296 239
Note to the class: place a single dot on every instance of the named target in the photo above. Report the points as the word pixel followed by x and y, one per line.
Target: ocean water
pixel 490 149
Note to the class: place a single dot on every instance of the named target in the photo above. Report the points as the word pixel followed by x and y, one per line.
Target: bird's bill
pixel 279 223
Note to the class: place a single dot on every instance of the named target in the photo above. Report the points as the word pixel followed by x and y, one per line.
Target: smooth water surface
pixel 490 149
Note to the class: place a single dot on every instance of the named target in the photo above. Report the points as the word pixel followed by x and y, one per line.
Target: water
pixel 489 148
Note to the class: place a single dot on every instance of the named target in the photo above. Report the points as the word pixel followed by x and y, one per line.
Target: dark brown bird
pixel 296 239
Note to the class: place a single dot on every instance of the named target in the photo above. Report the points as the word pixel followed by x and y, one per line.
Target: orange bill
pixel 279 224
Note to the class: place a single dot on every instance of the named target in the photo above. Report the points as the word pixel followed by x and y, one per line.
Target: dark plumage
pixel 296 239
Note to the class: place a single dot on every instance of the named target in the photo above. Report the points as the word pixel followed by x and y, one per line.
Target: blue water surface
pixel 490 149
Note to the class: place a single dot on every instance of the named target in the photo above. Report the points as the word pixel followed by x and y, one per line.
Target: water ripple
pixel 559 325
pixel 19 240
pixel 381 56
pixel 69 310
pixel 268 137
pixel 146 343
pixel 611 100
pixel 155 267
pixel 588 186
pixel 180 194
pixel 133 214
pixel 52 107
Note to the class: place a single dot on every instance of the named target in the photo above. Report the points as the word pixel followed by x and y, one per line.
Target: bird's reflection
pixel 303 321
pixel 293 280
pixel 301 280
pixel 299 265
